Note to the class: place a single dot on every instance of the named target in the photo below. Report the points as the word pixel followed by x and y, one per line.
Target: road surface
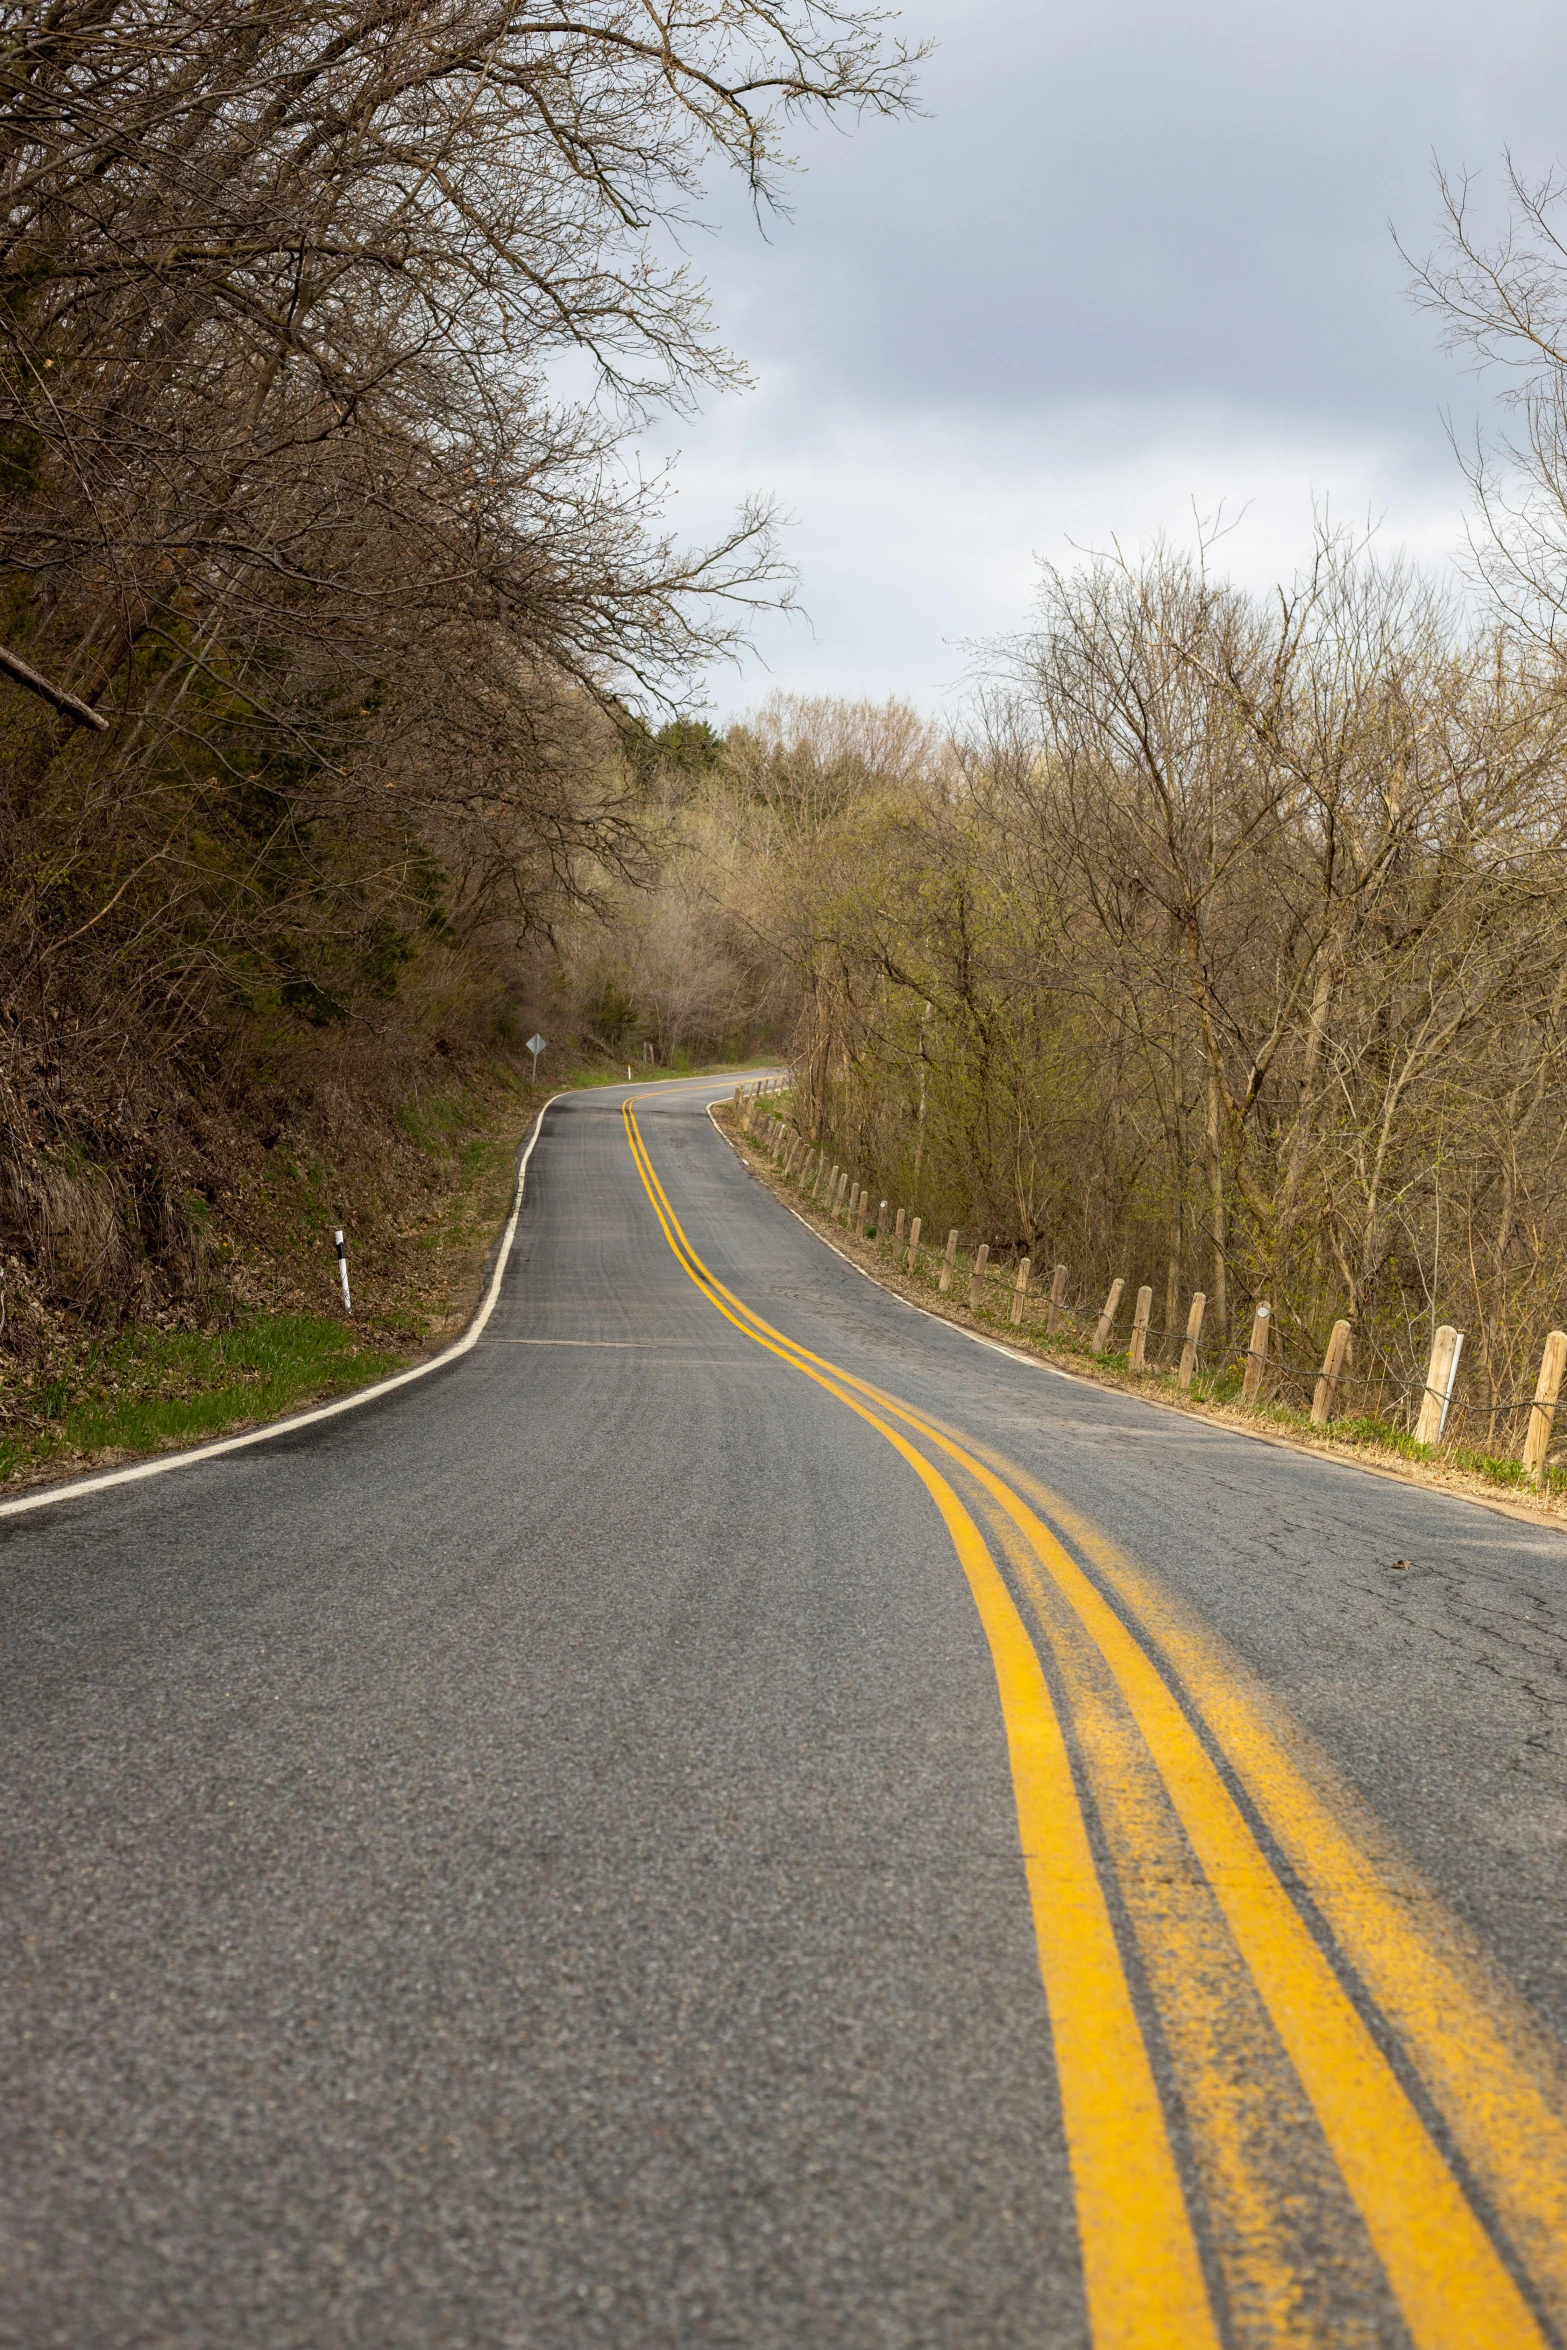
pixel 735 1814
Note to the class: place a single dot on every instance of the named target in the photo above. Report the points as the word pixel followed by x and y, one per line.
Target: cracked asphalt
pixel 533 1861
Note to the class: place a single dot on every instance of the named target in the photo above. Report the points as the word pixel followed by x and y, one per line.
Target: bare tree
pixel 289 500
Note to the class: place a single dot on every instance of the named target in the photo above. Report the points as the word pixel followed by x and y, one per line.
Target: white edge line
pixel 162 1463
pixel 994 1346
pixel 1155 1403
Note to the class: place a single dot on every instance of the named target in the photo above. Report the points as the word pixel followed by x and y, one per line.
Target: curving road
pixel 734 1814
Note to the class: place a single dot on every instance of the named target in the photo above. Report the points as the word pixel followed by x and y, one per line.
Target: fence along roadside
pixel 1265 1375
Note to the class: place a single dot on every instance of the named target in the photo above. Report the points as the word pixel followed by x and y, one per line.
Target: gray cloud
pixel 1129 231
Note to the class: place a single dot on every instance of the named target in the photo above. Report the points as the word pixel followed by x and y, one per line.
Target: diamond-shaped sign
pixel 536 1044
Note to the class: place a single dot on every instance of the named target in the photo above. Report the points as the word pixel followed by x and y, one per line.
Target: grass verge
pixel 148 1390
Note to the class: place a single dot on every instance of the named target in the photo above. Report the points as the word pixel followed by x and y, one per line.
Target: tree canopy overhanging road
pixel 735 1814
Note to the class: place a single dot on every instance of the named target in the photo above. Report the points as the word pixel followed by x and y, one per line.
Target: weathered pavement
pixel 536 1860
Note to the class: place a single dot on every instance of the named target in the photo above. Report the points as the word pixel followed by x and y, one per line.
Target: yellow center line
pixel 1142 2274
pixel 1298 2267
pixel 1452 2287
pixel 1494 2075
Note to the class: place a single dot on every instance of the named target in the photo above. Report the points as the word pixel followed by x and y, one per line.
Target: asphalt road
pixel 540 1859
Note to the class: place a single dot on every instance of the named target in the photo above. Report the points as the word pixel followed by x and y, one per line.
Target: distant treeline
pixel 1225 946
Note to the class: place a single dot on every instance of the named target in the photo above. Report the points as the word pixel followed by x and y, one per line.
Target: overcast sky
pixel 1131 256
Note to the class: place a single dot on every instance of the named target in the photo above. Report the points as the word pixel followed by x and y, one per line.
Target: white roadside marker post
pixel 342 1267
pixel 1441 1378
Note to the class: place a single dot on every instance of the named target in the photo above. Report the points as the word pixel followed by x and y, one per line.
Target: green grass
pixel 1382 1435
pixel 151 1389
pixel 1377 1435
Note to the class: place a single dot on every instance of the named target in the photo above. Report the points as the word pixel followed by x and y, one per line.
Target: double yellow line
pixel 1367 2118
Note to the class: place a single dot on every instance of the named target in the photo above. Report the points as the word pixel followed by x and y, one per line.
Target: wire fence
pixel 1357 1389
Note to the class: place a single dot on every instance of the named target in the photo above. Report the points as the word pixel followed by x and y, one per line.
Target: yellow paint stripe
pixel 1451 2286
pixel 1141 2272
pixel 1299 2271
pixel 1497 2080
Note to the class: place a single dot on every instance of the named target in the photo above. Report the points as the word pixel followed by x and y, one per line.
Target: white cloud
pixel 912 535
pixel 1130 258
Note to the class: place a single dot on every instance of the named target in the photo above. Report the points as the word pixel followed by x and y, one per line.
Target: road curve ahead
pixel 734 1814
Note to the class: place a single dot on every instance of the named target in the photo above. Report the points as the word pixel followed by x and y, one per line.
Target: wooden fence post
pixel 1537 1440
pixel 1188 1369
pixel 1057 1302
pixel 1326 1389
pixel 1137 1352
pixel 1441 1379
pixel 1020 1288
pixel 1256 1355
pixel 947 1261
pixel 1107 1318
pixel 914 1245
pixel 976 1279
pixel 881 1227
pixel 897 1235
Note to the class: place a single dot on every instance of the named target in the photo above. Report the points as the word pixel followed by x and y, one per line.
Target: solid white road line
pixel 162 1463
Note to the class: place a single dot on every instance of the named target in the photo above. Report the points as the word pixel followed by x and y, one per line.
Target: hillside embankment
pixel 181 1281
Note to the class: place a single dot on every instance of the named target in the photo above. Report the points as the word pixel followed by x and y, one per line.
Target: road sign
pixel 536 1044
